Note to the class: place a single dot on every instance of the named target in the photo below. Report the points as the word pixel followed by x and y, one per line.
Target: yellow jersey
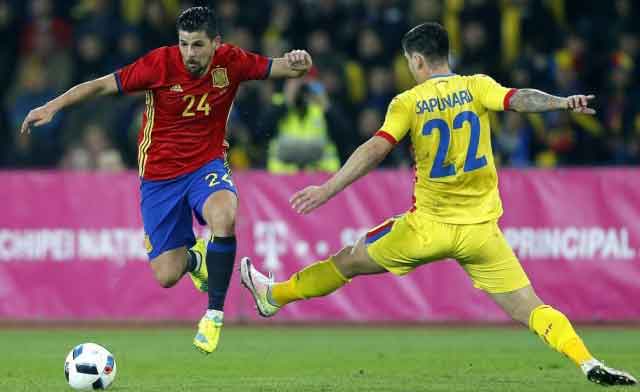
pixel 448 122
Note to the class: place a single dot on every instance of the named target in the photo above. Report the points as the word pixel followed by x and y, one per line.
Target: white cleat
pixel 598 373
pixel 260 287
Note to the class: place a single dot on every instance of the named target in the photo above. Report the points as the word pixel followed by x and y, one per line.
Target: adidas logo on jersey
pixel 177 88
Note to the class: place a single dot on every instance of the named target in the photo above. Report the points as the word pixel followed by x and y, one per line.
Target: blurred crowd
pixel 560 46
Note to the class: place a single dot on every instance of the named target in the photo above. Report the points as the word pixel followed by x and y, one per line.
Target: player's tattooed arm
pixel 529 100
pixel 364 159
pixel 80 92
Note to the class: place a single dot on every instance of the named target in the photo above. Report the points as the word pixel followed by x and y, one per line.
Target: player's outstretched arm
pixel 80 92
pixel 362 161
pixel 529 100
pixel 293 64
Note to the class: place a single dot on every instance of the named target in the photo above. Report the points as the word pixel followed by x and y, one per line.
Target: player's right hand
pixel 580 104
pixel 37 117
pixel 309 199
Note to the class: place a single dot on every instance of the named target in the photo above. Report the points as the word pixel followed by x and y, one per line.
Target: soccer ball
pixel 90 366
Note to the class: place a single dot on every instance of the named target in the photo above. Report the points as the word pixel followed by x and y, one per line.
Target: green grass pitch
pixel 276 358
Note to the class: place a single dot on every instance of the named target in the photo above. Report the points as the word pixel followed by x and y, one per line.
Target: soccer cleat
pixel 200 277
pixel 598 373
pixel 260 287
pixel 209 327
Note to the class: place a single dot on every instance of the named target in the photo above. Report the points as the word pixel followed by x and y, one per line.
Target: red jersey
pixel 185 120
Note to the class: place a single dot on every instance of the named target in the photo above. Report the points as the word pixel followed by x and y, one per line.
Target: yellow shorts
pixel 408 241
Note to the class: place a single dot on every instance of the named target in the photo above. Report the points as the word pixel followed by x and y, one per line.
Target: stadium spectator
pixel 89 152
pixel 369 122
pixel 352 44
pixel 9 30
pixel 301 139
pixel 157 26
pixel 76 157
pixel 110 161
pixel 91 57
pixel 42 19
pixel 621 112
pixel 381 89
pixel 97 16
pixel 33 88
pixel 513 143
pixel 476 44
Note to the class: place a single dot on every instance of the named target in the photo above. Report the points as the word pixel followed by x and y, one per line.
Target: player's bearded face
pixel 197 50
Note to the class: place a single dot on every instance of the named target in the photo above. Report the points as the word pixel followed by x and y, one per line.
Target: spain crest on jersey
pixel 219 77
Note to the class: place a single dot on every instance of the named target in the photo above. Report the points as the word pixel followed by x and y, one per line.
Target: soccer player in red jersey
pixel 181 150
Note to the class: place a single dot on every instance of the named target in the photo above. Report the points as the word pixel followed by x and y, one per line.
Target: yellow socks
pixel 316 280
pixel 554 328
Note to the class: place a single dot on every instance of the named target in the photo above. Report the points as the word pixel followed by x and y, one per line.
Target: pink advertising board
pixel 71 247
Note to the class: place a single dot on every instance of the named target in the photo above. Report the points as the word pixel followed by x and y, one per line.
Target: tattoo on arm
pixel 532 101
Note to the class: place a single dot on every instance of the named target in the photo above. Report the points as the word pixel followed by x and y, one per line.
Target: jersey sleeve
pixel 397 121
pixel 491 94
pixel 251 66
pixel 143 74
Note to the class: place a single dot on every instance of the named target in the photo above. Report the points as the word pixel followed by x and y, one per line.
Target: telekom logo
pixel 269 237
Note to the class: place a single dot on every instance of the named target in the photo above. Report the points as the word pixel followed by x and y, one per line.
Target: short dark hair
pixel 428 39
pixel 198 19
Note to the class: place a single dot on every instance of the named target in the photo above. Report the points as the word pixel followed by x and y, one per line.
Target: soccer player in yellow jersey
pixel 457 204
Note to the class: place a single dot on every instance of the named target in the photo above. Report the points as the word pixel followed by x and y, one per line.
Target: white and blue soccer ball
pixel 89 366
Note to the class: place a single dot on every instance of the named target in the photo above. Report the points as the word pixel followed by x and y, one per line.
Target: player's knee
pixel 222 222
pixel 349 262
pixel 520 303
pixel 165 274
pixel 342 261
pixel 355 260
pixel 166 279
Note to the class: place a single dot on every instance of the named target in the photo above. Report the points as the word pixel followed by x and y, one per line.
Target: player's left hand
pixel 309 199
pixel 299 60
pixel 580 104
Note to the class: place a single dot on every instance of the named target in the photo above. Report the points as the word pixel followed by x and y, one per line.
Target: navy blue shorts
pixel 167 205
